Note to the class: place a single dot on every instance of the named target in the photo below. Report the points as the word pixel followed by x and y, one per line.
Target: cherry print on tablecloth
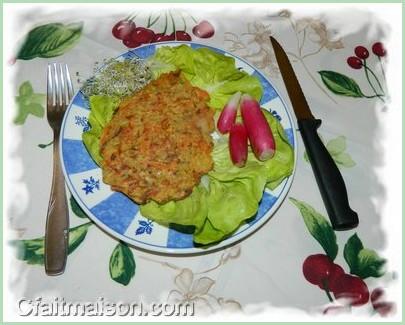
pixel 345 290
pixel 343 85
pixel 359 61
pixel 170 25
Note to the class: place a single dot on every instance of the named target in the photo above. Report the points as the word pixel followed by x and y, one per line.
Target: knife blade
pixel 328 177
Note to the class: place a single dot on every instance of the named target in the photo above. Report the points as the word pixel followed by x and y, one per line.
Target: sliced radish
pixel 258 129
pixel 238 144
pixel 228 114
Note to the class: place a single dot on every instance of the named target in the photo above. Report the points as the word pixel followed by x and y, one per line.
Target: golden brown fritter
pixel 158 144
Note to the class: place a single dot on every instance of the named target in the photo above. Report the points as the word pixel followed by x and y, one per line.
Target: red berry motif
pixel 131 43
pixel 203 30
pixel 351 288
pixel 142 35
pixel 377 295
pixel 384 308
pixel 133 36
pixel 361 52
pixel 320 270
pixel 354 62
pixel 171 37
pixel 182 36
pixel 123 29
pixel 160 37
pixel 378 49
pixel 335 272
pixel 316 268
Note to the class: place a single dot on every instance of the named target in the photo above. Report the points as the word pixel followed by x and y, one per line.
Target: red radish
pixel 228 114
pixel 258 129
pixel 238 144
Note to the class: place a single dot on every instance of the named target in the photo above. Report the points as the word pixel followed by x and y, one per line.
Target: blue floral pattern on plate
pixel 83 122
pixel 144 227
pixel 91 184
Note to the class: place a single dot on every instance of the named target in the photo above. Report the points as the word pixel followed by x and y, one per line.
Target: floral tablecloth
pixel 340 58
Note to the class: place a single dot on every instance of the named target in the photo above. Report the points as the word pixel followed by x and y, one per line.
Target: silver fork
pixel 59 93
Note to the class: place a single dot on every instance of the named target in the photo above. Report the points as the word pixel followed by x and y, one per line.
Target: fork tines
pixel 59 85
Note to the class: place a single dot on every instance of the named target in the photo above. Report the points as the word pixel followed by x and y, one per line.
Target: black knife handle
pixel 328 177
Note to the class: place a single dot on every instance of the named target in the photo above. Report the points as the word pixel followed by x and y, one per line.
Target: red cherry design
pixel 172 37
pixel 182 36
pixel 354 62
pixel 123 29
pixel 379 49
pixel 335 272
pixel 352 288
pixel 316 268
pixel 203 30
pixel 377 297
pixel 159 37
pixel 142 35
pixel 131 43
pixel 320 270
pixel 361 52
pixel 384 308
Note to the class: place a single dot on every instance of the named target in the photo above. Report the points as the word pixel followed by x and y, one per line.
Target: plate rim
pixel 157 249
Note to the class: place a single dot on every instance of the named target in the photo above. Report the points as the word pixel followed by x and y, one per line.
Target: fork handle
pixel 57 220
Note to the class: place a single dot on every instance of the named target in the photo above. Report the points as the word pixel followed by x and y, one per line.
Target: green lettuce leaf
pixel 208 70
pixel 102 111
pixel 208 234
pixel 191 211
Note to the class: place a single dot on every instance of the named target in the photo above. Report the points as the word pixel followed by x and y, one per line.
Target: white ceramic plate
pixel 116 213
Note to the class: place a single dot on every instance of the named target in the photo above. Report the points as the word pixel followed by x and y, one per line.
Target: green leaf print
pixel 363 262
pixel 77 210
pixel 50 40
pixel 28 103
pixel 32 250
pixel 340 84
pixel 319 227
pixel 337 147
pixel 122 264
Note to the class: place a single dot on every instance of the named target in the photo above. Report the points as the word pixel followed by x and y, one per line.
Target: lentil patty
pixel 158 144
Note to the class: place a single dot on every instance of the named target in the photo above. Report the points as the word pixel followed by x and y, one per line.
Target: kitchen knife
pixel 327 175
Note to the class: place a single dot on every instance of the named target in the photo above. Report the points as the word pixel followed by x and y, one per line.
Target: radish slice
pixel 258 129
pixel 228 114
pixel 238 144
